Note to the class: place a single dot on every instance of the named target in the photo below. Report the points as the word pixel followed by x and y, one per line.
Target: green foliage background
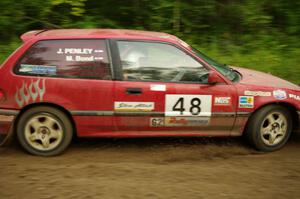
pixel 259 34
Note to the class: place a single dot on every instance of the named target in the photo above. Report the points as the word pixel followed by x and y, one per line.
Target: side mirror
pixel 214 78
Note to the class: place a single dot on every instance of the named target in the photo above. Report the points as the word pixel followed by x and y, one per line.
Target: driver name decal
pixel 81 54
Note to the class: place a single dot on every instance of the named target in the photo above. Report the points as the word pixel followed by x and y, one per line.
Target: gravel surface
pixel 183 168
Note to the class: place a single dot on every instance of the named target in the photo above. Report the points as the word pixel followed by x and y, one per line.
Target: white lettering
pixel 84 59
pixel 296 97
pixel 69 58
pixel 81 51
pixel 60 51
pixel 258 93
pixel 98 51
pixel 222 100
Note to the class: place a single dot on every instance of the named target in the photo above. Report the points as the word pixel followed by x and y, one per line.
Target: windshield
pixel 222 68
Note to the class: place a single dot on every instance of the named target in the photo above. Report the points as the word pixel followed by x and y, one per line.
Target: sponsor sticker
pixel 295 97
pixel 179 121
pixel 246 102
pixel 188 105
pixel 187 121
pixel 158 87
pixel 157 121
pixel 134 106
pixel 279 94
pixel 222 101
pixel 258 93
pixel 38 69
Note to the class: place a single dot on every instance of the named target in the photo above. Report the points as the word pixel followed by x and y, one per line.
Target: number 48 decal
pixel 195 108
pixel 188 105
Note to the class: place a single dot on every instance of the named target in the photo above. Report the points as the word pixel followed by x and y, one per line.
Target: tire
pixel 44 131
pixel 269 128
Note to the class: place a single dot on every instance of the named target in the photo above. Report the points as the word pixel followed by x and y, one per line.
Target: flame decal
pixel 32 92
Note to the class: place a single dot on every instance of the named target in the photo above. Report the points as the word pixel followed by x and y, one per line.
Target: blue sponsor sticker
pixel 38 69
pixel 246 102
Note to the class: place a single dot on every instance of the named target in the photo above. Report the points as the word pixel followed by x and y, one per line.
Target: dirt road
pixel 153 168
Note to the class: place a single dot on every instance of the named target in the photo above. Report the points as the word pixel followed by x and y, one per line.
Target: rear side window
pixel 67 58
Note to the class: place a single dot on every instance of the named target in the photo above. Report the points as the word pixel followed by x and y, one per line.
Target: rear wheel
pixel 269 128
pixel 44 131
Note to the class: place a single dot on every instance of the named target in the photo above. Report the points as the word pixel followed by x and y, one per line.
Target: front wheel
pixel 269 128
pixel 44 131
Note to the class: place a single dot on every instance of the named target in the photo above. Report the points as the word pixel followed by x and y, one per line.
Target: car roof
pixel 100 33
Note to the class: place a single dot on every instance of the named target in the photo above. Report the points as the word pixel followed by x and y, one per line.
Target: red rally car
pixel 127 83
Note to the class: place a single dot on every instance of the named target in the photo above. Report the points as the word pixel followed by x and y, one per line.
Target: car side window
pixel 153 61
pixel 67 58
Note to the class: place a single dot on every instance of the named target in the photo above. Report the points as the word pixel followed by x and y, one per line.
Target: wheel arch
pixel 61 108
pixel 290 107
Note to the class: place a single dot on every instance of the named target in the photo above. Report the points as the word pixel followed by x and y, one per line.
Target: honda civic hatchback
pixel 127 83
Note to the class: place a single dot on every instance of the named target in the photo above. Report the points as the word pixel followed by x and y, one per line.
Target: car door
pixel 164 90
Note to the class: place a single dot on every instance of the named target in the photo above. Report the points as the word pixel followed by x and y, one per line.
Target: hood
pixel 263 79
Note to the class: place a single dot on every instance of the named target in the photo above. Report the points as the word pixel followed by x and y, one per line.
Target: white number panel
pixel 188 105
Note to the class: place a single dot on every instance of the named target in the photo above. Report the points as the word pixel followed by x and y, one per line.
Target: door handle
pixel 134 91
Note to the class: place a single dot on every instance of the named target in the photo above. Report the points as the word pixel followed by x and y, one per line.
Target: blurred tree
pixel 233 27
pixel 77 6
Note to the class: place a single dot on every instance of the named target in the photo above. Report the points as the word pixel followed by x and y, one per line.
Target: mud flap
pixel 6 129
